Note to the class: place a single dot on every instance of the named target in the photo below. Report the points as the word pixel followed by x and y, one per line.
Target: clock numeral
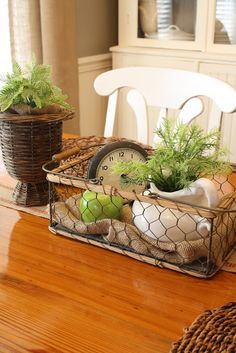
pixel 104 167
pixel 111 158
pixel 132 156
pixel 121 154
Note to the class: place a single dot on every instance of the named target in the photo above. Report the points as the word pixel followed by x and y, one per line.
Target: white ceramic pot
pixel 166 224
pixel 171 33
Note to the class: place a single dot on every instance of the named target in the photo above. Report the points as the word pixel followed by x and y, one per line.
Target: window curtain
pixel 5 57
pixel 47 28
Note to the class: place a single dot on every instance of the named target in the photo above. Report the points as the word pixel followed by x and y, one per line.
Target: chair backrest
pixel 165 89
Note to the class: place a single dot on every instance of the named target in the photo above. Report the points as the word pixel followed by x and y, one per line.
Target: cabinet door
pixel 176 24
pixel 227 73
pixel 222 26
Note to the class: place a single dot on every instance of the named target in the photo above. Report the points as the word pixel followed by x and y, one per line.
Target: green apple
pixel 95 206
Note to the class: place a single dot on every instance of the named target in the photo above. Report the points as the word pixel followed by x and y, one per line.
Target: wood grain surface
pixel 62 296
pixel 58 295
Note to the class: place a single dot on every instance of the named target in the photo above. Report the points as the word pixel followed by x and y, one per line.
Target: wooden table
pixel 62 296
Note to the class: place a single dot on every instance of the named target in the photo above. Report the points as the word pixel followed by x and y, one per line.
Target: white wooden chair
pixel 166 89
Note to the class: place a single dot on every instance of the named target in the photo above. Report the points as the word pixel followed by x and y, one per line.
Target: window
pixel 5 57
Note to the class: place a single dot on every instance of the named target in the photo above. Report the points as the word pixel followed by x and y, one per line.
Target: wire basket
pixel 207 234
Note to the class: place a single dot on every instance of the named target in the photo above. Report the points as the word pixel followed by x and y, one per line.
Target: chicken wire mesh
pixel 156 230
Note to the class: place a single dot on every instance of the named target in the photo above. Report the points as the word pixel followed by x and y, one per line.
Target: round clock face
pixel 101 164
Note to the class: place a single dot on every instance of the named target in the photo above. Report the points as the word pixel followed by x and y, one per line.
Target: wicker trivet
pixel 214 331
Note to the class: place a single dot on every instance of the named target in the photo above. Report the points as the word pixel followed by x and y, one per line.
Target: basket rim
pixel 111 190
pixel 63 114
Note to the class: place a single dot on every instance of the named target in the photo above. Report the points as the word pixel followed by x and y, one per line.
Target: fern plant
pixel 31 86
pixel 184 154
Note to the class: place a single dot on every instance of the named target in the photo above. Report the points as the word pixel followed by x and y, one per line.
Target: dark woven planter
pixel 26 145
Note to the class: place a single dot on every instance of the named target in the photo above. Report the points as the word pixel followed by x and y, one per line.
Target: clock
pixel 100 167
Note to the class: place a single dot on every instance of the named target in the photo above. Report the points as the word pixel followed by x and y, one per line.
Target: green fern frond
pixel 32 86
pixel 31 66
pixel 16 69
pixel 184 154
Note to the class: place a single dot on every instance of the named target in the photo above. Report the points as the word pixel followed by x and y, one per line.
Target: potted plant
pixel 179 169
pixel 31 113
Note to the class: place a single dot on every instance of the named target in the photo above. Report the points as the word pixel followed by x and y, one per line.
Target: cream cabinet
pixel 195 35
pixel 162 23
pixel 199 25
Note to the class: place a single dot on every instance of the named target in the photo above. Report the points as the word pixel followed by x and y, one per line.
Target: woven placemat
pixel 214 331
